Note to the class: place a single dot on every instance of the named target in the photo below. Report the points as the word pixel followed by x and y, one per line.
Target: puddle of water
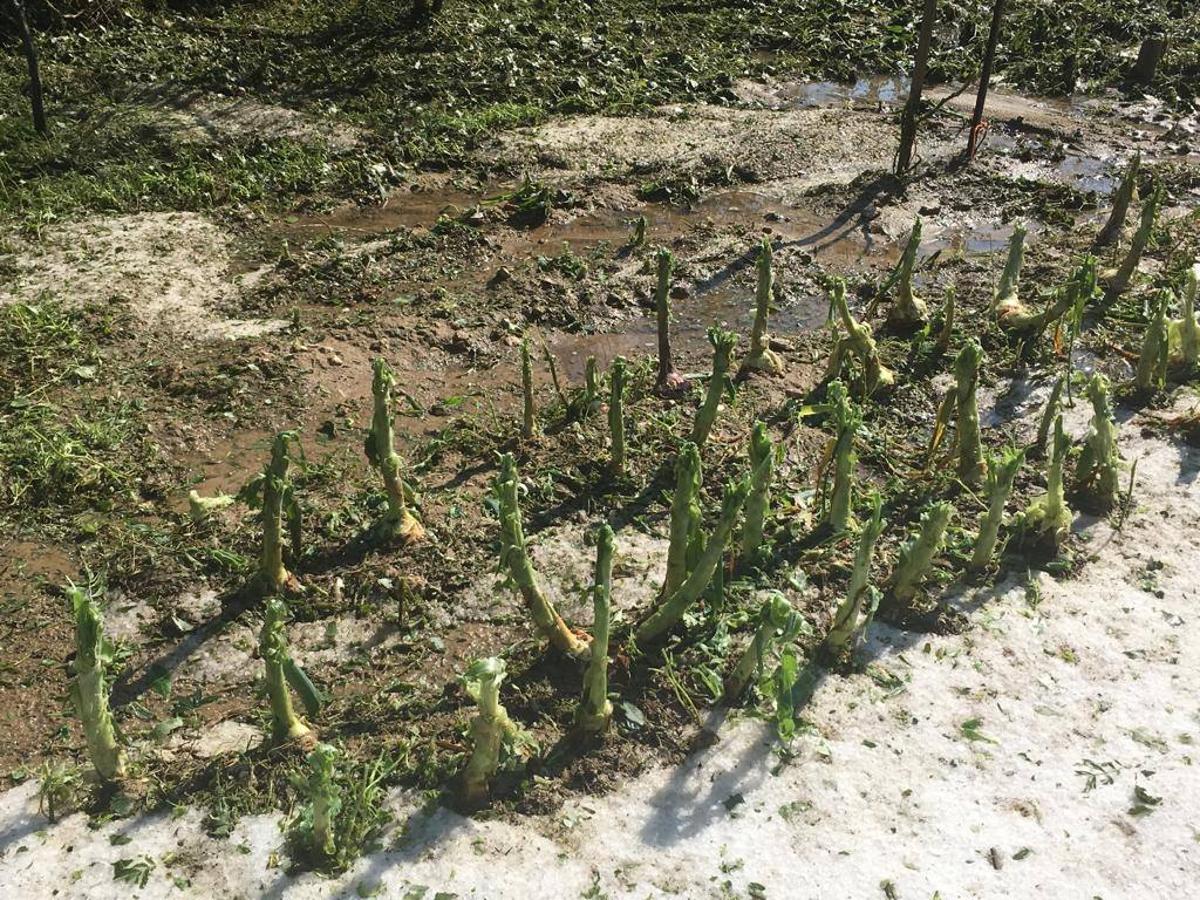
pixel 402 209
pixel 867 91
pixel 973 240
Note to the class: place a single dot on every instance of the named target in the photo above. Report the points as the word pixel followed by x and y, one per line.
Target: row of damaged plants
pixel 739 538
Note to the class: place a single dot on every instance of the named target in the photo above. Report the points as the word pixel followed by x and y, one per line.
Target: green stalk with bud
pixel 909 312
pixel 595 709
pixel 491 730
pixel 1118 280
pixel 515 561
pixel 859 342
pixel 762 464
pixel 286 725
pixel 961 402
pixel 89 689
pixel 1046 521
pixel 1051 410
pixel 777 624
pixel 618 377
pixel 722 343
pixel 1001 472
pixel 854 616
pixel 529 425
pixel 1126 194
pixel 1098 470
pixel 760 357
pixel 685 517
pixel 398 523
pixel 274 493
pixel 669 381
pixel 846 419
pixel 918 552
pixel 1151 373
pixel 671 608
pixel 1185 331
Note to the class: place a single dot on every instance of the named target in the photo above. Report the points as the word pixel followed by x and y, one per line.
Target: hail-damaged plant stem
pixel 918 552
pixel 595 710
pixel 325 797
pixel 762 464
pixel 671 609
pixel 909 311
pixel 777 625
pixel 1118 281
pixel 760 357
pixel 970 467
pixel 89 689
pixel 286 725
pixel 1098 471
pixel 859 341
pixel 618 376
pixel 490 728
pixel 669 381
pixel 854 616
pixel 722 343
pixel 1126 194
pixel 514 559
pixel 1049 412
pixel 1152 364
pixel 685 517
pixel 1185 331
pixel 398 523
pixel 1006 302
pixel 275 491
pixel 529 425
pixel 1001 472
pixel 942 345
pixel 1046 521
pixel 846 419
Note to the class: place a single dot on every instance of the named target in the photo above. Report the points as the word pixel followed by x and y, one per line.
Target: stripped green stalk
pixel 1046 521
pixel 917 554
pixel 671 609
pixel 398 523
pixel 1049 412
pixel 1126 194
pixel 1118 281
pixel 778 625
pixel 514 558
pixel 491 729
pixel 273 648
pixel 1006 300
pixel 858 608
pixel 1001 472
pixel 552 365
pixel 89 691
pixel 909 312
pixel 276 495
pixel 586 403
pixel 325 799
pixel 970 466
pixel 1151 371
pixel 595 709
pixel 859 341
pixel 616 413
pixel 722 343
pixel 638 239
pixel 1185 331
pixel 685 517
pixel 762 464
pixel 1099 462
pixel 846 418
pixel 529 425
pixel 760 357
pixel 669 381
pixel 947 330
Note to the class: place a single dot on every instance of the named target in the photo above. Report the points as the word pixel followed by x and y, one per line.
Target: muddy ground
pixel 154 353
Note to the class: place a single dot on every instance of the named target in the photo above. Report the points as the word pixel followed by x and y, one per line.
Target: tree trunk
pixel 985 77
pixel 31 58
pixel 908 121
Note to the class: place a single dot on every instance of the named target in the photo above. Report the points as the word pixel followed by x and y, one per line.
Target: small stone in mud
pixel 773 217
pixel 930 209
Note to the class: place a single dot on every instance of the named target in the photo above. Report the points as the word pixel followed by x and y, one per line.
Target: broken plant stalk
pixel 398 522
pixel 594 713
pixel 722 343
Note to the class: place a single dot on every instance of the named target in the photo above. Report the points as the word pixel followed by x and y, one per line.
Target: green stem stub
pixel 858 342
pixel 1098 472
pixel 273 648
pixel 1001 472
pixel 854 616
pixel 1152 364
pixel 491 730
pixel 846 419
pixel 917 554
pixel 616 414
pixel 1046 521
pixel 89 689
pixel 685 516
pixel 760 357
pixel 778 625
pixel 722 343
pixel 595 710
pixel 758 504
pixel 398 522
pixel 909 311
